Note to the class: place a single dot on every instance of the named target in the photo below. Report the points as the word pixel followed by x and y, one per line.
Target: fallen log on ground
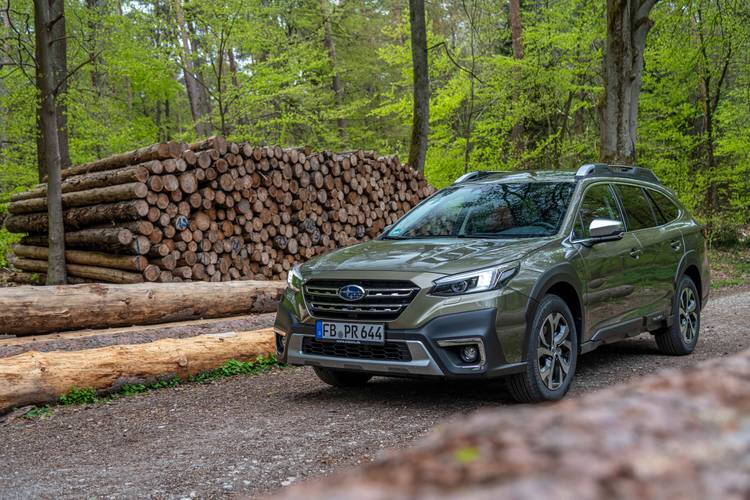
pixel 29 310
pixel 679 434
pixel 40 377
pixel 78 340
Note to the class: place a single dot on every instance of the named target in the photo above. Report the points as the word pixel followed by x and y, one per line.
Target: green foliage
pixel 267 72
pixel 38 412
pixel 234 367
pixel 6 240
pixel 230 368
pixel 730 267
pixel 76 396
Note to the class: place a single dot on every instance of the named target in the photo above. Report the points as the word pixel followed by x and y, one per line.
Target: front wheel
pixel 552 354
pixel 340 378
pixel 681 337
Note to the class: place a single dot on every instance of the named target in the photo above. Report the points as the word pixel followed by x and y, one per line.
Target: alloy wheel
pixel 554 351
pixel 688 315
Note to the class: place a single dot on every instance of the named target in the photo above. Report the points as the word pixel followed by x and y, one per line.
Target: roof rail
pixel 476 175
pixel 625 171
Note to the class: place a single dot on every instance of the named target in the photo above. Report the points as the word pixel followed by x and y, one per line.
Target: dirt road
pixel 250 435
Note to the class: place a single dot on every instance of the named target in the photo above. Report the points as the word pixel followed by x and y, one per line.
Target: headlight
pixel 294 279
pixel 480 280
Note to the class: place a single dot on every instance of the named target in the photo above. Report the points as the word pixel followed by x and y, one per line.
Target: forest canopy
pixel 337 74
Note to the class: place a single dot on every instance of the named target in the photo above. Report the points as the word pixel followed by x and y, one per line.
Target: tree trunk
pixel 336 85
pixel 196 93
pixel 421 114
pixel 628 25
pixel 44 30
pixel 39 377
pixel 29 310
pixel 516 28
pixel 58 52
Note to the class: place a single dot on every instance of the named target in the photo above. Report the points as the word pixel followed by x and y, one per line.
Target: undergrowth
pixel 88 395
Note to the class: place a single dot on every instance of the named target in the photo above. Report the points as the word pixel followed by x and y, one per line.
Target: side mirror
pixel 601 230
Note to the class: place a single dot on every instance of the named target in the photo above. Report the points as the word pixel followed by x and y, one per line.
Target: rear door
pixel 670 244
pixel 610 291
pixel 652 274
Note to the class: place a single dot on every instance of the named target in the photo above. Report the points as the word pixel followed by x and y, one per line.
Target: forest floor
pixel 249 435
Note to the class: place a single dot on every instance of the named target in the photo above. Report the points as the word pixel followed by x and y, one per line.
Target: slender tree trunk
pixel 44 27
pixel 3 89
pixel 421 115
pixel 516 29
pixel 196 94
pixel 336 85
pixel 628 25
pixel 59 55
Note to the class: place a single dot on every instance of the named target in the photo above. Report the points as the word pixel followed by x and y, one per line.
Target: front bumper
pixel 432 347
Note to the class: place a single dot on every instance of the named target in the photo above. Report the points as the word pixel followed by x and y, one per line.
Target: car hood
pixel 437 255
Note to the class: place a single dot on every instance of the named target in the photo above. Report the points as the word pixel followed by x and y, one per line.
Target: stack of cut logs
pixel 212 211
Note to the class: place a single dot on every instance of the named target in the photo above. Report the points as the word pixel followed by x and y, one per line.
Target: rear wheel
pixel 552 354
pixel 682 337
pixel 340 378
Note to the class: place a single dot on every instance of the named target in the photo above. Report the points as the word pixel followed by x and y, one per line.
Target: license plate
pixel 353 333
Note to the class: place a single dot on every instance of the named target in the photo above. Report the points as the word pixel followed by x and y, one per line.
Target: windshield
pixel 512 210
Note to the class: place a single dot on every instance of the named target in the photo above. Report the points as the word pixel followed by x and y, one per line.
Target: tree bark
pixel 75 218
pixel 39 377
pixel 58 52
pixel 336 85
pixel 29 310
pixel 44 32
pixel 135 263
pixel 516 28
pixel 421 81
pixel 628 25
pixel 197 95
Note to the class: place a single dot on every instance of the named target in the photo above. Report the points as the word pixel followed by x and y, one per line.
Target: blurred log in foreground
pixel 30 310
pixel 680 434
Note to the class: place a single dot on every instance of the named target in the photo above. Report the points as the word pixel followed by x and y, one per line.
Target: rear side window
pixel 597 203
pixel 639 210
pixel 666 207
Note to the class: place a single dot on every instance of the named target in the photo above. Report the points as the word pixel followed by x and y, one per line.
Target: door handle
pixel 635 253
pixel 676 245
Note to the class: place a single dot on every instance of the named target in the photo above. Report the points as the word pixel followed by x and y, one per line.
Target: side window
pixel 639 210
pixel 666 206
pixel 598 203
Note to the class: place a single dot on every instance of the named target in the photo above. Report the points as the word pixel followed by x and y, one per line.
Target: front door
pixel 609 268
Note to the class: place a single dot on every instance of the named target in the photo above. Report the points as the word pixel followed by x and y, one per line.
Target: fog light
pixel 469 354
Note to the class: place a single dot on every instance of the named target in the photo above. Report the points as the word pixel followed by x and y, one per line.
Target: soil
pixel 248 436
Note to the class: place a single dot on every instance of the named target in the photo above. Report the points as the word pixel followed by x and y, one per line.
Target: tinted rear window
pixel 639 211
pixel 666 207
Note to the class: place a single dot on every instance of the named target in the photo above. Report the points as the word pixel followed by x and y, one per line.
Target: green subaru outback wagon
pixel 503 274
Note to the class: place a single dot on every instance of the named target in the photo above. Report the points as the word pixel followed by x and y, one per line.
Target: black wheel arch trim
pixel 561 273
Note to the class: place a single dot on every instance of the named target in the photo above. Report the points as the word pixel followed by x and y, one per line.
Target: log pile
pixel 213 211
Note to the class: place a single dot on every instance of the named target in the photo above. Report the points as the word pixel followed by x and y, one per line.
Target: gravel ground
pixel 247 436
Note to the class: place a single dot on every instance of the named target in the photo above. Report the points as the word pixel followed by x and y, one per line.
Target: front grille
pixel 383 300
pixel 390 351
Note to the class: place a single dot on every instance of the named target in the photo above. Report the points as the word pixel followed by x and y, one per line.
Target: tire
pixel 682 336
pixel 339 378
pixel 545 378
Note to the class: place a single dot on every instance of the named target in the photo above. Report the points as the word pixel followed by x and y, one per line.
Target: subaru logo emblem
pixel 352 292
